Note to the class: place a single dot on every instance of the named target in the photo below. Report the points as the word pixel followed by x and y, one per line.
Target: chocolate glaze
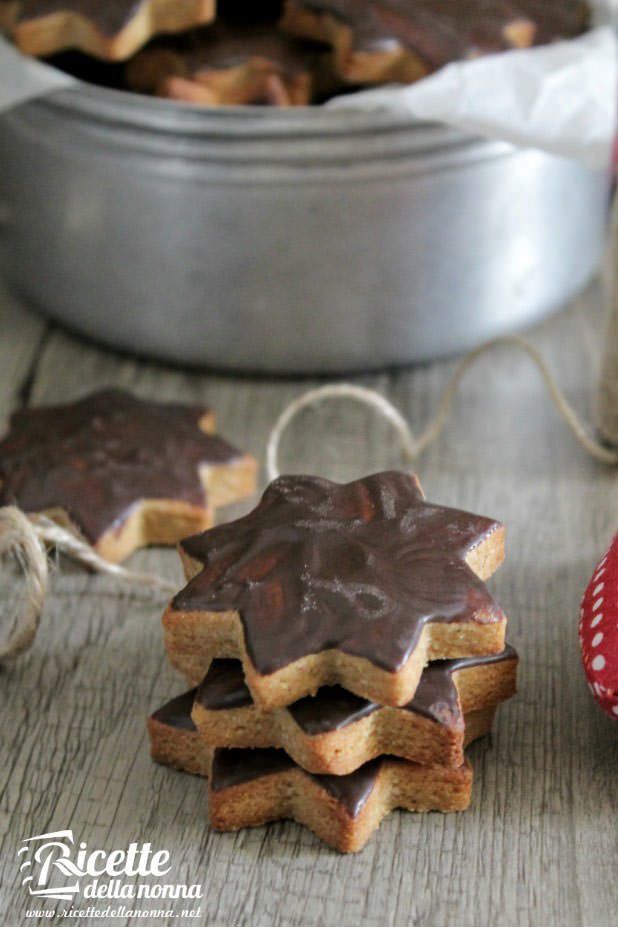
pixel 177 712
pixel 224 46
pixel 440 31
pixel 361 567
pixel 224 687
pixel 333 708
pixel 234 766
pixel 436 697
pixel 238 767
pixel 108 16
pixel 98 457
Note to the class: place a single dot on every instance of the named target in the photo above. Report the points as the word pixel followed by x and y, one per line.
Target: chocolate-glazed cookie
pixel 252 787
pixel 122 471
pixel 229 64
pixel 336 731
pixel 108 29
pixel 357 584
pixel 174 739
pixel 400 40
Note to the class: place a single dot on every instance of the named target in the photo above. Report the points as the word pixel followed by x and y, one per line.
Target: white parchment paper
pixel 22 78
pixel 561 98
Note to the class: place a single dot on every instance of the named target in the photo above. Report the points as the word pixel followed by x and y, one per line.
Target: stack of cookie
pixel 277 52
pixel 343 650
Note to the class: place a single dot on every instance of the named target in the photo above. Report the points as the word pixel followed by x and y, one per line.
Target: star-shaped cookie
pixel 121 471
pixel 356 584
pixel 252 787
pixel 108 29
pixel 335 732
pixel 228 65
pixel 397 40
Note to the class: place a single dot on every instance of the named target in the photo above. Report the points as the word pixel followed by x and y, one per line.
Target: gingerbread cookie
pixel 108 29
pixel 357 585
pixel 227 65
pixel 252 787
pixel 248 788
pixel 336 732
pixel 393 40
pixel 123 472
pixel 174 738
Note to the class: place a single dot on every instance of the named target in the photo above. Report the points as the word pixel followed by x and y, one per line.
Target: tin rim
pixel 133 111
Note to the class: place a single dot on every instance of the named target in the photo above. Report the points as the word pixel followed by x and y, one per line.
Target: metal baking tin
pixel 302 240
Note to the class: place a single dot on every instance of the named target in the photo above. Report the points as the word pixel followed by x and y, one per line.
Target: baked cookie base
pixel 342 752
pixel 181 749
pixel 295 794
pixel 392 62
pixel 194 639
pixel 396 731
pixel 252 83
pixel 190 751
pixel 166 521
pixel 45 35
pixel 256 80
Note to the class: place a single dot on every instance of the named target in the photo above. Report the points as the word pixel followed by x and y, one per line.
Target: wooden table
pixel 539 845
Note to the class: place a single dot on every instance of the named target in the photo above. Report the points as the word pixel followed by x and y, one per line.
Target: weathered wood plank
pixel 539 843
pixel 21 333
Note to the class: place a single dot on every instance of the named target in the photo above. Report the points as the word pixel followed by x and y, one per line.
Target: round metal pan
pixel 301 240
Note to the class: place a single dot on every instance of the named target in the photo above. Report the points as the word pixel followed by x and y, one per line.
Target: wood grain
pixel 539 845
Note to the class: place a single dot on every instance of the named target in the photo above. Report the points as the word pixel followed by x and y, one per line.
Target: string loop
pixel 412 447
pixel 27 536
pixel 18 537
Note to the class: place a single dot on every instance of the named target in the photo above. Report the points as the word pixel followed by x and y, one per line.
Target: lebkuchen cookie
pixel 108 29
pixel 357 585
pixel 336 732
pixel 396 40
pixel 225 65
pixel 122 472
pixel 248 788
pixel 174 738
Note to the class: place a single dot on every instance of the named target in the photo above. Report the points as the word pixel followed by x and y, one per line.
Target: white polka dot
pixel 600 571
pixel 596 619
pixel 615 709
pixel 596 605
pixel 598 637
pixel 598 588
pixel 598 663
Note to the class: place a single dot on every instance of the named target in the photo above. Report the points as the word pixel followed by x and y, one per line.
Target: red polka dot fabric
pixel 598 631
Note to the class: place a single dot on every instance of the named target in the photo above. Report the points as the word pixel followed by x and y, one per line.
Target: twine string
pixel 412 447
pixel 18 537
pixel 50 533
pixel 28 536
